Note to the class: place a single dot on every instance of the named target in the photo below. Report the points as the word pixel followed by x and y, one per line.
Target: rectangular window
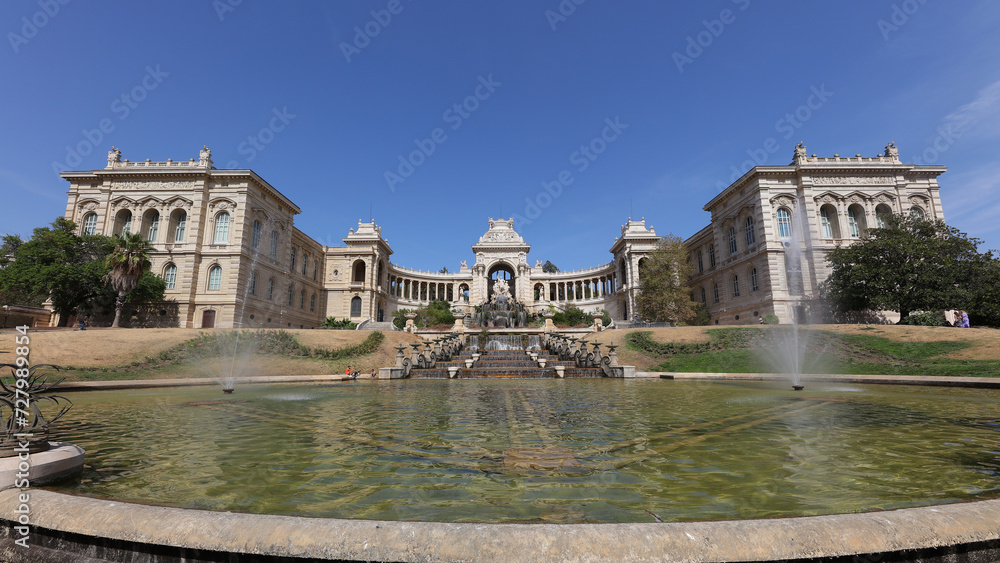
pixel 253 283
pixel 751 235
pixel 215 278
pixel 701 267
pixel 181 225
pixel 255 235
pixel 90 224
pixel 732 240
pixel 754 286
pixel 170 276
pixel 221 228
pixel 715 292
pixel 736 286
pixel 270 289
pixel 711 255
pixel 293 260
pixel 291 296
pixel 274 244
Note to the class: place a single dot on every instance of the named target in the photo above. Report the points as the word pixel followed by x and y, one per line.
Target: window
pixel 701 267
pixel 356 307
pixel 715 292
pixel 751 235
pixel 754 285
pixel 181 226
pixel 736 286
pixel 824 219
pixel 293 259
pixel 312 303
pixel 170 276
pixel 291 296
pixel 90 224
pixel 315 268
pixel 732 240
pixel 126 223
pixel 703 299
pixel 154 226
pixel 916 212
pixel 274 244
pixel 253 283
pixel 221 228
pixel 711 255
pixel 881 212
pixel 305 263
pixel 270 289
pixel 852 222
pixel 302 299
pixel 215 278
pixel 255 235
pixel 784 223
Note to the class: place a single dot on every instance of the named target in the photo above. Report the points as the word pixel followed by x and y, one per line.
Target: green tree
pixel 911 264
pixel 56 264
pixel 549 267
pixel 127 262
pixel 664 295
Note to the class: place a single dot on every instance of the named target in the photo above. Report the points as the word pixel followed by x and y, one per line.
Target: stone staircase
pixel 510 364
pixel 372 325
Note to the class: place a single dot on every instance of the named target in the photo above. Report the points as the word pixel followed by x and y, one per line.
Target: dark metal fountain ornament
pixel 228 390
pixel 798 386
pixel 20 414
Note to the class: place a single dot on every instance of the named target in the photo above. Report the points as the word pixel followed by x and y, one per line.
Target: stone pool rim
pixel 63 523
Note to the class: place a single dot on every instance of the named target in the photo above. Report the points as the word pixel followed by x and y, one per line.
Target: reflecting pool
pixel 538 450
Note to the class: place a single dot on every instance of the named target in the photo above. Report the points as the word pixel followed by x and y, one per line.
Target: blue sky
pixel 668 100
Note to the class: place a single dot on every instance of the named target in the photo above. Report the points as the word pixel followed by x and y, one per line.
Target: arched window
pixel 221 228
pixel 623 275
pixel 312 303
pixel 180 226
pixel 731 237
pixel 754 285
pixel 215 278
pixel 701 267
pixel 828 221
pixel 916 212
pixel 711 255
pixel 359 271
pixel 255 235
pixel 153 226
pixel 356 307
pixel 302 299
pixel 703 298
pixel 274 244
pixel 856 220
pixel 751 235
pixel 736 286
pixel 270 289
pixel 123 222
pixel 784 223
pixel 881 212
pixel 90 224
pixel 463 291
pixel 170 276
pixel 715 292
pixel 291 296
pixel 292 262
pixel 253 283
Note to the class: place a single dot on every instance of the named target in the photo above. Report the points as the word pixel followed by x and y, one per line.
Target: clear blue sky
pixel 166 78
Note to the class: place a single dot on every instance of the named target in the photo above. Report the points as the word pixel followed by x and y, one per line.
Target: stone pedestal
pixel 411 327
pixel 549 325
pixel 60 461
pixel 459 323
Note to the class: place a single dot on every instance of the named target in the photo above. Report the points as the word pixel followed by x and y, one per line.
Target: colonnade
pixel 576 290
pixel 427 291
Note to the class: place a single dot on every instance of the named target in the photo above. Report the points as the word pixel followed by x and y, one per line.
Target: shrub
pixel 770 319
pixel 924 319
pixel 331 322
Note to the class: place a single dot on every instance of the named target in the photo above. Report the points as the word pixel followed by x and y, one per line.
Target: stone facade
pixel 765 248
pixel 226 243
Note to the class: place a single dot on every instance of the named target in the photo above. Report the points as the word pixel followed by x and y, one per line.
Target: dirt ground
pixel 116 347
pixel 100 347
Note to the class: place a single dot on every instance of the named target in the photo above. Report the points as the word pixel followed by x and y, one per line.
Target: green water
pixel 539 450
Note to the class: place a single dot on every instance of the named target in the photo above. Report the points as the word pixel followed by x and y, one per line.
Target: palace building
pixel 226 245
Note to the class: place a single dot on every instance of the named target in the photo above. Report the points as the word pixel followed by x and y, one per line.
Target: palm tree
pixel 128 260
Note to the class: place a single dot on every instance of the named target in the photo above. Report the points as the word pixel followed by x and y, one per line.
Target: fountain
pixel 502 311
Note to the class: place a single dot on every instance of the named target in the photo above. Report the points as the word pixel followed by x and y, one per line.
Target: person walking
pixel 83 322
pixel 965 319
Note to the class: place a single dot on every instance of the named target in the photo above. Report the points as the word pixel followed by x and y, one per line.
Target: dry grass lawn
pixel 120 347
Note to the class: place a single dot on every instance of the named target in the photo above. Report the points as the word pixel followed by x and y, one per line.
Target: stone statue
pixel 501 291
pixel 114 155
pixel 891 151
pixel 800 152
pixel 464 265
pixel 205 156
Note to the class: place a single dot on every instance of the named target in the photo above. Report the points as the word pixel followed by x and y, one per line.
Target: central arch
pixel 504 271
